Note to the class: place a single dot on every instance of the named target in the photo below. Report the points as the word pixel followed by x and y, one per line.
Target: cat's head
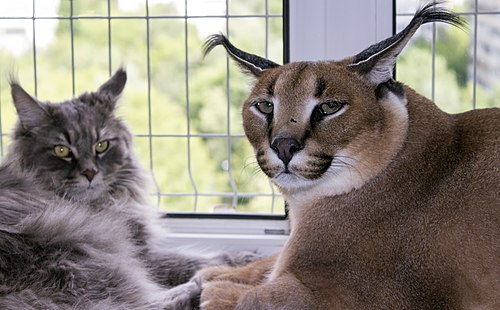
pixel 77 148
pixel 327 127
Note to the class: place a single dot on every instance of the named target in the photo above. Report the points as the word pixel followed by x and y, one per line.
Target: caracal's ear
pixel 251 63
pixel 377 62
pixel 31 112
pixel 115 85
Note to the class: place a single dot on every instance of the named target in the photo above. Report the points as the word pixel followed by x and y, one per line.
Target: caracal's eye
pixel 62 151
pixel 102 146
pixel 265 107
pixel 330 107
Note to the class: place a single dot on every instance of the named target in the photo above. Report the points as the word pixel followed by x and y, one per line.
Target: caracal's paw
pixel 217 273
pixel 222 295
pixel 254 273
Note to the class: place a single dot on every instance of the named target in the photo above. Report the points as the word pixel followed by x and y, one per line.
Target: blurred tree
pixel 159 108
pixel 414 69
pixel 453 87
pixel 169 80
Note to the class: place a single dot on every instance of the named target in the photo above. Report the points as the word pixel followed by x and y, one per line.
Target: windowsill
pixel 266 236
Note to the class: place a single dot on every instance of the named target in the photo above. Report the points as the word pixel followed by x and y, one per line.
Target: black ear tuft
pixel 249 62
pixel 115 85
pixel 377 61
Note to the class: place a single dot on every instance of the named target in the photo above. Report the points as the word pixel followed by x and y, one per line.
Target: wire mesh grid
pixel 459 69
pixel 184 110
pixel 192 164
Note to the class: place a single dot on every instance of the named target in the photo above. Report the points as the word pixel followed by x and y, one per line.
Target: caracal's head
pixel 327 127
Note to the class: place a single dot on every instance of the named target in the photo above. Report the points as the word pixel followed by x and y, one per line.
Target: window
pixel 185 110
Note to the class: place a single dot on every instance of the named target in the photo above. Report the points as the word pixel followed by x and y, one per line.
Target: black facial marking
pixel 300 70
pixel 269 118
pixel 270 87
pixel 320 87
pixel 270 132
pixel 67 136
pixel 307 135
pixel 316 117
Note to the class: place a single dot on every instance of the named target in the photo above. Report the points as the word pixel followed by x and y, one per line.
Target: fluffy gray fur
pixel 76 232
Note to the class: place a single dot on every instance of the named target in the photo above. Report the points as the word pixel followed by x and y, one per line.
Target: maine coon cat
pixel 76 231
pixel 393 203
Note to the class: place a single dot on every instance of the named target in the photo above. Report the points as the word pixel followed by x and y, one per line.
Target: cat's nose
pixel 285 148
pixel 89 174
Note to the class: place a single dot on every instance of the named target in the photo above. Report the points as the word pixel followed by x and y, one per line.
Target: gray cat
pixel 75 229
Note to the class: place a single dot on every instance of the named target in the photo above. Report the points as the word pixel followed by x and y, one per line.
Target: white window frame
pixel 318 30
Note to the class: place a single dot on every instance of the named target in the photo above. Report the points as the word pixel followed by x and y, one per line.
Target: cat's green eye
pixel 330 107
pixel 62 151
pixel 265 107
pixel 102 146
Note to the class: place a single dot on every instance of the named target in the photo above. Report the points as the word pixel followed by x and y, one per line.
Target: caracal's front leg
pixel 253 274
pixel 284 293
pixel 223 286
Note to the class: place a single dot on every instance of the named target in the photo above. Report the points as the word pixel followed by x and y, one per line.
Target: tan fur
pixel 424 232
pixel 411 220
pixel 228 284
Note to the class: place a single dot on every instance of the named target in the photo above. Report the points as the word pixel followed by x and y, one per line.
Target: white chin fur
pixel 291 181
pixel 335 181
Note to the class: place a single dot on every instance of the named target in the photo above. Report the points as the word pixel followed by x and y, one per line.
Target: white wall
pixel 334 29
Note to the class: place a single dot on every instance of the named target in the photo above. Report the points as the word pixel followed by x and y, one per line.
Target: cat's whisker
pixel 350 166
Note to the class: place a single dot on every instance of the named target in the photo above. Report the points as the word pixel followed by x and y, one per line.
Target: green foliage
pixel 453 45
pixel 453 90
pixel 158 105
pixel 161 100
pixel 414 69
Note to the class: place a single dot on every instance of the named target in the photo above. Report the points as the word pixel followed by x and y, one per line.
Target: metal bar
pixel 228 119
pixel 34 52
pixel 143 17
pixel 474 58
pixel 267 56
pixel 216 194
pixel 267 29
pixel 188 110
pixel 192 135
pixel 72 47
pixel 110 66
pixel 433 63
pixel 2 134
pixel 150 125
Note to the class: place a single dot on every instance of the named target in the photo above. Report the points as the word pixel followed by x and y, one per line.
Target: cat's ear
pixel 115 85
pixel 31 112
